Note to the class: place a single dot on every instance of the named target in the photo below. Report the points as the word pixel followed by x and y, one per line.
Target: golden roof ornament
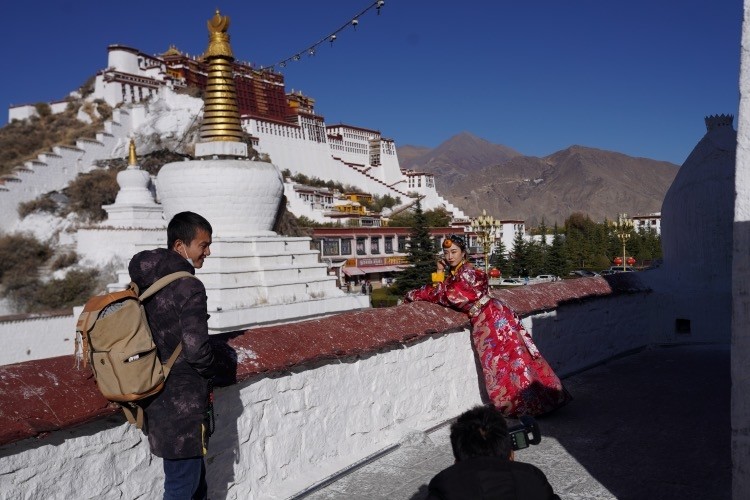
pixel 221 116
pixel 132 159
pixel 218 38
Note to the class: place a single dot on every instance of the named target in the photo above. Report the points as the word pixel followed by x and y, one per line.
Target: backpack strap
pixel 134 414
pixel 164 281
pixel 167 367
pixel 158 285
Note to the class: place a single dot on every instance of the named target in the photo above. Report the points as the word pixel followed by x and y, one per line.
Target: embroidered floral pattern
pixel 517 378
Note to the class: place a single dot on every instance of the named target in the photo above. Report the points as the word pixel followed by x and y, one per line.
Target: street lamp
pixel 623 228
pixel 485 227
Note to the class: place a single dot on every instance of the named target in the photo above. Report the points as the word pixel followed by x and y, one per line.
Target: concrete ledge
pixel 52 394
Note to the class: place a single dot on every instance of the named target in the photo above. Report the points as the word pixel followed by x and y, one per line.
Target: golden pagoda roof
pixel 172 51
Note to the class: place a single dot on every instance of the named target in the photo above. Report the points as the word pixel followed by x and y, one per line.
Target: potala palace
pixel 149 107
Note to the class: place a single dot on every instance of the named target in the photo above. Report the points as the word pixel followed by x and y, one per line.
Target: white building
pixel 646 222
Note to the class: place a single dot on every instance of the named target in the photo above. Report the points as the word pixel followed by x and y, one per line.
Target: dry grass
pixel 23 140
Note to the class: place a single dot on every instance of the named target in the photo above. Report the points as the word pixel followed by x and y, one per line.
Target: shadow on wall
pixel 224 446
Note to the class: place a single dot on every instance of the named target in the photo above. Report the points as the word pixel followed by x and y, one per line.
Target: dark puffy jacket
pixel 490 478
pixel 177 313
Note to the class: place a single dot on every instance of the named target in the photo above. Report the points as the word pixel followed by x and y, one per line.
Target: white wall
pixel 281 433
pixel 36 338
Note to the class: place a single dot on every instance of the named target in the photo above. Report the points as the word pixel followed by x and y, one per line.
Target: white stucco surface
pixel 279 434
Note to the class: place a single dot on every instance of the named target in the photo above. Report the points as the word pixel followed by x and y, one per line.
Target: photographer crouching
pixel 483 447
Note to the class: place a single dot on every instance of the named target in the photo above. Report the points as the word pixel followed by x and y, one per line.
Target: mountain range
pixel 475 174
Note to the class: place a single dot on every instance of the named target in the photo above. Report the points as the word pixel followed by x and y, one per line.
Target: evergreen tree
pixel 518 262
pixel 498 258
pixel 421 255
pixel 556 263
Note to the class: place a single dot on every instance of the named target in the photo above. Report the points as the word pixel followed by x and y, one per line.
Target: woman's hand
pixel 441 265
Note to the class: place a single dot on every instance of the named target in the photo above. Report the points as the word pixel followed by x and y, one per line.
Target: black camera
pixel 525 433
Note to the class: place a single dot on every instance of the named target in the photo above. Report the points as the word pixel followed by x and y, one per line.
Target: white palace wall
pixel 281 433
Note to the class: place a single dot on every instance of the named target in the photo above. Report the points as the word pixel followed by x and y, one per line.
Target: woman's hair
pixel 480 432
pixel 455 239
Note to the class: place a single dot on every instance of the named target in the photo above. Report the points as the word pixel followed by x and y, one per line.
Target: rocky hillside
pixel 475 174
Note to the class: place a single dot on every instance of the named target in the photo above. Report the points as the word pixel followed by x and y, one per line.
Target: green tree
pixel 421 255
pixel 438 217
pixel 556 263
pixel 536 254
pixel 518 256
pixel 499 259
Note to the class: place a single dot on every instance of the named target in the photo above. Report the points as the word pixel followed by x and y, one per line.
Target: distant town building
pixel 645 222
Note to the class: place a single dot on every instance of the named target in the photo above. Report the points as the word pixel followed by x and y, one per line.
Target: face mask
pixel 190 261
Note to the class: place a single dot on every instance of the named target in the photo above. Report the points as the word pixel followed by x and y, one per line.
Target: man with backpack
pixel 178 419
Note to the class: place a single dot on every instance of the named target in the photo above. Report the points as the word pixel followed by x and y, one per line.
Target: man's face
pixel 197 250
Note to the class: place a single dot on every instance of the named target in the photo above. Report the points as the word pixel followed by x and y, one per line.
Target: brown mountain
pixel 460 155
pixel 577 179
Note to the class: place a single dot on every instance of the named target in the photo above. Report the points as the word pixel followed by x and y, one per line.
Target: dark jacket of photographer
pixel 490 478
pixel 177 313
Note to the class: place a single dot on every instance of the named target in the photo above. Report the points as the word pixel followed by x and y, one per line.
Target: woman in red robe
pixel 517 378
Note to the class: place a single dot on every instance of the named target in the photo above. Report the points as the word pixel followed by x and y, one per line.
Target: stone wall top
pixel 46 395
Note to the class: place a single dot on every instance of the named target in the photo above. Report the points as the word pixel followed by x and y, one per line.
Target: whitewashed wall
pixel 279 434
pixel 36 338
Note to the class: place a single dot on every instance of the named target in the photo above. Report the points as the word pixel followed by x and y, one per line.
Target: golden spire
pixel 221 117
pixel 132 159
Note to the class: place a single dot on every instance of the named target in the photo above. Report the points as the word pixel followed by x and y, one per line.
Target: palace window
pixel 388 241
pixel 375 245
pixel 330 247
pixel 402 244
pixel 346 247
pixel 361 246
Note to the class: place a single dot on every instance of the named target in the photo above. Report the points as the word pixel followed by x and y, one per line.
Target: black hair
pixel 184 226
pixel 455 239
pixel 480 432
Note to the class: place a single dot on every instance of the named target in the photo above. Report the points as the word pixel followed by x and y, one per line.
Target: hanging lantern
pixel 494 272
pixel 332 39
pixel 355 22
pixel 380 4
pixel 617 261
pixel 630 261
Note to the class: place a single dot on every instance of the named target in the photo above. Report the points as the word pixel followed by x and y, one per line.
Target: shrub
pixel 88 192
pixel 41 204
pixel 383 297
pixel 43 109
pixel 74 289
pixel 64 260
pixel 20 257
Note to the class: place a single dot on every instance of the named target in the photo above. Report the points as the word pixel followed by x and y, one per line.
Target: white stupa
pixel 253 275
pixel 134 206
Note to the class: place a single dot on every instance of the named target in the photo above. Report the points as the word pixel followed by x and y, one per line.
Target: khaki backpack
pixel 118 344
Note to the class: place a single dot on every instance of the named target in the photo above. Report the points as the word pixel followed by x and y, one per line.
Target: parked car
pixel 545 277
pixel 605 272
pixel 584 273
pixel 511 282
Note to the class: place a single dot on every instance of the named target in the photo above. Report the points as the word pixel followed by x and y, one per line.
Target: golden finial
pixel 218 38
pixel 132 160
pixel 221 117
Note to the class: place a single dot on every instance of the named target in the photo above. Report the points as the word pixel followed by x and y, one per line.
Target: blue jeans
pixel 185 479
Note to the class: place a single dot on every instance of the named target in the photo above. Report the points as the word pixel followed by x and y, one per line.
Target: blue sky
pixel 636 77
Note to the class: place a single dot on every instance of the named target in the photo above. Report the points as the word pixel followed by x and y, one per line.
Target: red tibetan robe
pixel 517 378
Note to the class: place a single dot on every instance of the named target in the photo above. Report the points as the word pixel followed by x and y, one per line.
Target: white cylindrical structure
pixel 238 197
